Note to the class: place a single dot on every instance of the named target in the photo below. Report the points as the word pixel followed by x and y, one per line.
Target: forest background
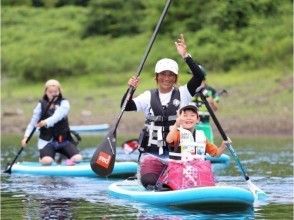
pixel 93 47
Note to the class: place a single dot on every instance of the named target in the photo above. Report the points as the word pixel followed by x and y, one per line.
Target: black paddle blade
pixel 8 169
pixel 103 159
pixel 9 165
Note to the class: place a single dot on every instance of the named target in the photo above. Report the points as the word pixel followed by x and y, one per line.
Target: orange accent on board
pixel 103 159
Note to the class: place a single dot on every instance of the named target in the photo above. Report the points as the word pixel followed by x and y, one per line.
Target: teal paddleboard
pixel 121 169
pixel 208 196
pixel 90 128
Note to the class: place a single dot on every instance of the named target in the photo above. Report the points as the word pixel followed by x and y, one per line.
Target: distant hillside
pixel 103 36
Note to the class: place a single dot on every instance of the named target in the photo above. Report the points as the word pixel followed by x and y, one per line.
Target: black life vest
pixel 157 125
pixel 60 131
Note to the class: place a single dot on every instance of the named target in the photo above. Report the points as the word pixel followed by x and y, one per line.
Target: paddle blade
pixel 9 165
pixel 8 169
pixel 103 159
pixel 257 192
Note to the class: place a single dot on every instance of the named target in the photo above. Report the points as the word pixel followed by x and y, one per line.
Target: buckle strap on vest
pixel 161 118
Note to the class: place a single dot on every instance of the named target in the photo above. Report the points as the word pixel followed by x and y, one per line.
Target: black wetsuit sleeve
pixel 197 78
pixel 131 105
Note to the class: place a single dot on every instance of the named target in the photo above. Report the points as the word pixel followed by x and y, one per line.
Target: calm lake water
pixel 269 162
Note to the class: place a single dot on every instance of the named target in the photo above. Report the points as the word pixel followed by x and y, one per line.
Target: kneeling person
pixel 51 117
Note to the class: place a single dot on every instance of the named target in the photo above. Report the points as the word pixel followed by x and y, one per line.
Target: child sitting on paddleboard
pixel 188 146
pixel 185 141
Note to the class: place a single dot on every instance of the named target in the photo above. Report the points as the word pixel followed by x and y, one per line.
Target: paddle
pixel 258 193
pixel 103 159
pixel 8 170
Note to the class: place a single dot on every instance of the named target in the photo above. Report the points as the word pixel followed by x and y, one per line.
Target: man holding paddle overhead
pixel 160 105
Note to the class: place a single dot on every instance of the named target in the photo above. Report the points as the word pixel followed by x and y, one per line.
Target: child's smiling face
pixel 189 118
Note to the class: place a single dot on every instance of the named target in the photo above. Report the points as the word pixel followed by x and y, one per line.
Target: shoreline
pixel 16 124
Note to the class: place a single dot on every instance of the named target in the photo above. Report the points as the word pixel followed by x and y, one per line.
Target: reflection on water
pixel 50 208
pixel 40 197
pixel 33 207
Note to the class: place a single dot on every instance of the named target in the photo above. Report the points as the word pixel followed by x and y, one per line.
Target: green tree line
pixel 47 38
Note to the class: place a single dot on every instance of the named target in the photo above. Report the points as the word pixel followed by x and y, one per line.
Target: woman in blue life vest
pixel 160 105
pixel 54 128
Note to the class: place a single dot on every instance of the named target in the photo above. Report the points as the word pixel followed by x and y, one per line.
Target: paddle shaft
pixel 220 129
pixel 103 159
pixel 131 89
pixel 8 170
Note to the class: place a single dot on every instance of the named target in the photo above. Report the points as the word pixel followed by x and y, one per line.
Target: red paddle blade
pixel 130 146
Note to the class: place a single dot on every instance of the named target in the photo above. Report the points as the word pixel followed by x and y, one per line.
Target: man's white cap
pixel 167 64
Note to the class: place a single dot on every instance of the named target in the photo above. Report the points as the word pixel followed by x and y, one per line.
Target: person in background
pixel 160 106
pixel 54 128
pixel 212 97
